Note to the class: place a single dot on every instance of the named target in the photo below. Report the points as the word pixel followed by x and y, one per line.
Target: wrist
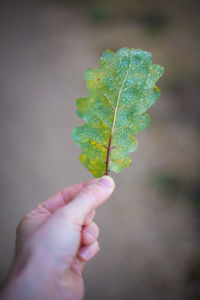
pixel 30 274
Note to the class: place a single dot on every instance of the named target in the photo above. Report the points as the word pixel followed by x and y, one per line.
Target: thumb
pixel 93 194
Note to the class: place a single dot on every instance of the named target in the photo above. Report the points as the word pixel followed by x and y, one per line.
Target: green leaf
pixel 121 90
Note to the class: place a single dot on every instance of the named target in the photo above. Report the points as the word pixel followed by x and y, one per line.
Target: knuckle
pixel 41 208
pixel 90 217
pixel 90 191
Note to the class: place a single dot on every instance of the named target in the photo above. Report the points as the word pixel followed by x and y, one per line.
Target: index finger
pixel 63 197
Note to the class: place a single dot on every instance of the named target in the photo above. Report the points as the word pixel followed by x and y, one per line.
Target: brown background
pixel 150 227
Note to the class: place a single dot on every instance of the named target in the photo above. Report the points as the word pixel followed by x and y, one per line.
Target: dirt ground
pixel 149 230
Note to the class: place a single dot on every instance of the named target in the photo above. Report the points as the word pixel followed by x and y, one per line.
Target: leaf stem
pixel 108 156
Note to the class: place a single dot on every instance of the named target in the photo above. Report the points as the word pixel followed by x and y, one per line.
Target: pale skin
pixel 53 243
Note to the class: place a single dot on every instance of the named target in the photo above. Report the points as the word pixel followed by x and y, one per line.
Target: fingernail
pixel 87 252
pixel 106 181
pixel 84 252
pixel 91 235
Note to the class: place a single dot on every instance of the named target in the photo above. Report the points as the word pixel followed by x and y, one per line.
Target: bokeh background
pixel 150 228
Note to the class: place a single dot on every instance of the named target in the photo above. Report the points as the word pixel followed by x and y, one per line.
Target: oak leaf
pixel 121 90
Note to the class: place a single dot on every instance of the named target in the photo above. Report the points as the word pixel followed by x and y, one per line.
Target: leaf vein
pixel 102 121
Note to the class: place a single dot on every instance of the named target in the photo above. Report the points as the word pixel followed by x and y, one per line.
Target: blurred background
pixel 150 228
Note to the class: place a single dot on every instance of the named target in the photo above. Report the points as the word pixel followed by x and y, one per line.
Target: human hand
pixel 53 243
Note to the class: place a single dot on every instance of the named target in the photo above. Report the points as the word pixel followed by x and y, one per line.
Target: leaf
pixel 121 90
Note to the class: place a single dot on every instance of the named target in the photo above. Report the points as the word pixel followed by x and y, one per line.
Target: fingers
pixel 89 234
pixel 88 252
pixel 92 195
pixel 62 198
pixel 85 254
